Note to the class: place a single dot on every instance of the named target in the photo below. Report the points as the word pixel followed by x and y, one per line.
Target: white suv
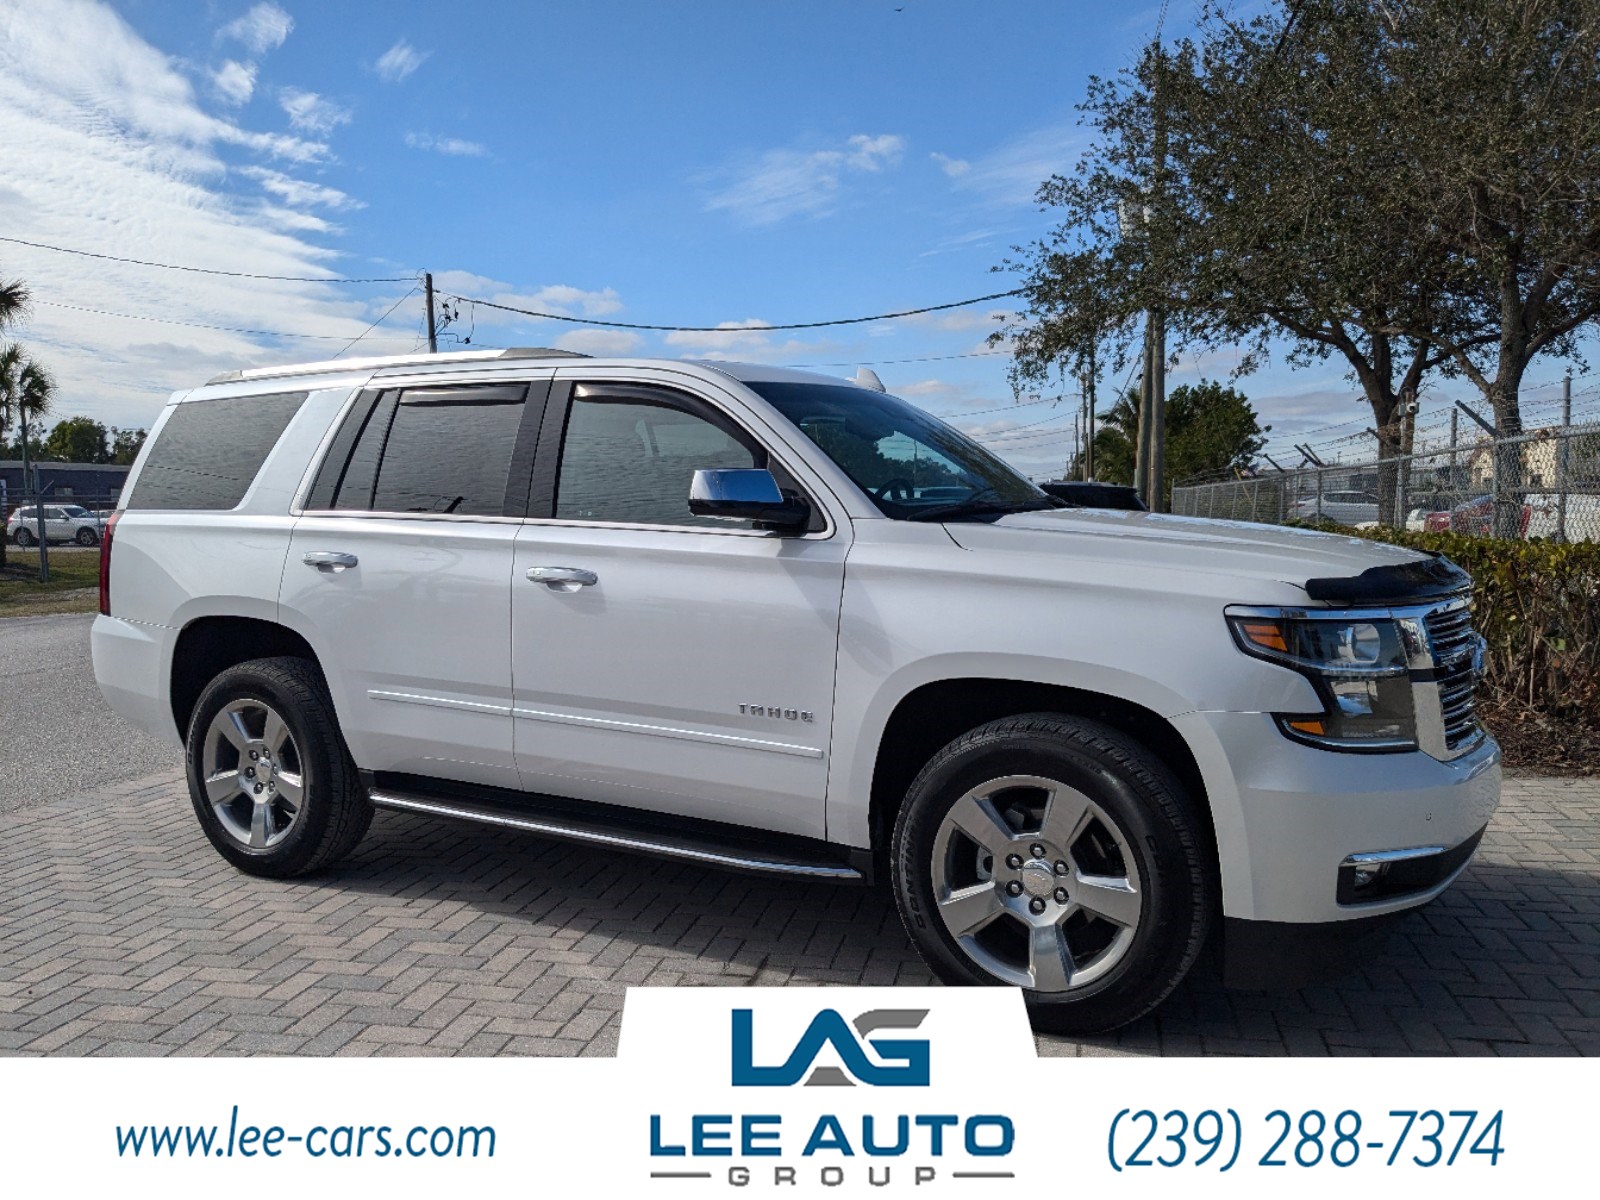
pixel 62 523
pixel 772 621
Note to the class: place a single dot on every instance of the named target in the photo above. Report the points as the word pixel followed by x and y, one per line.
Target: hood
pixel 1171 543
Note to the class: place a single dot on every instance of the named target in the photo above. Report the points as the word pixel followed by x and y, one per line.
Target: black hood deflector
pixel 1426 579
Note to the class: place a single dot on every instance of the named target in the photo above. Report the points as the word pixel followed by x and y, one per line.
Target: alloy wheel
pixel 1036 883
pixel 253 774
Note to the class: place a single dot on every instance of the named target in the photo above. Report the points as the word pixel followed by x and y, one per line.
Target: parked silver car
pixel 62 523
pixel 1347 508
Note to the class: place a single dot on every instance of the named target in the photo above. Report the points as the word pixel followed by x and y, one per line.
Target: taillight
pixel 105 563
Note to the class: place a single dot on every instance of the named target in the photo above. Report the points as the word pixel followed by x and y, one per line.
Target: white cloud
pixel 234 82
pixel 261 29
pixel 312 113
pixel 598 342
pixel 399 60
pixel 459 147
pixel 953 167
pixel 1012 172
pixel 791 183
pixel 299 193
pixel 109 149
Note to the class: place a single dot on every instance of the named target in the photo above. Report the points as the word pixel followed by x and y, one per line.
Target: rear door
pixel 399 571
pixel 693 673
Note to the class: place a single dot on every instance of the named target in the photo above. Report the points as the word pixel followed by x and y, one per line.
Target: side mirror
pixel 747 495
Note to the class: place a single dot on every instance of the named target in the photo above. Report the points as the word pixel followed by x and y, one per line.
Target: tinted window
pixel 631 461
pixel 428 450
pixel 209 451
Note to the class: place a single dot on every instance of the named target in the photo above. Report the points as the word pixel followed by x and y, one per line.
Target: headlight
pixel 1359 668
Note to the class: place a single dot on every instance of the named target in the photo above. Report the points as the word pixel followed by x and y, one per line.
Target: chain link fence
pixel 1550 490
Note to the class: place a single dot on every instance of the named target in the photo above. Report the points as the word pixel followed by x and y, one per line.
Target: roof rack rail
pixel 392 360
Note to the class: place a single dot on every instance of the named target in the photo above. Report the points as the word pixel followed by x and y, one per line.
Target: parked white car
pixel 717 612
pixel 62 523
pixel 1347 507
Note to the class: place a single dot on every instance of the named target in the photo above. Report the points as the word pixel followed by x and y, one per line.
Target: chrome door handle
pixel 562 579
pixel 329 560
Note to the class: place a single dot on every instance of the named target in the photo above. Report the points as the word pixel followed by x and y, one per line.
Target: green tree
pixel 1211 429
pixel 126 444
pixel 1406 187
pixel 77 439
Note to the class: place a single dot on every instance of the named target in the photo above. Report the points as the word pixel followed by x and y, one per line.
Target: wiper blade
pixel 978 508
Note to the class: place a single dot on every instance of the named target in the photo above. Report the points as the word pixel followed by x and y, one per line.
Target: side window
pixel 425 450
pixel 631 460
pixel 209 451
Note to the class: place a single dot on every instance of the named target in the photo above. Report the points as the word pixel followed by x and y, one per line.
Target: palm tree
pixel 26 392
pixel 13 300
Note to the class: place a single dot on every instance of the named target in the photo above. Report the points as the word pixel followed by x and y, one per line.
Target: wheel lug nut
pixel 258 789
pixel 1036 850
pixel 1013 888
pixel 1061 868
pixel 1061 895
pixel 1036 905
pixel 254 756
pixel 1013 861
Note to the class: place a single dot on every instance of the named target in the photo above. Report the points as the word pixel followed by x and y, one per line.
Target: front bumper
pixel 1288 816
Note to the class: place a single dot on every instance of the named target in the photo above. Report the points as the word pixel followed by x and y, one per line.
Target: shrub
pixel 1537 605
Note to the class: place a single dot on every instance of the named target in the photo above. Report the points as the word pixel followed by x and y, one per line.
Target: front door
pixel 661 660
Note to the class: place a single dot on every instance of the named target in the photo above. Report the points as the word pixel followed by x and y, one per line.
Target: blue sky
pixel 702 162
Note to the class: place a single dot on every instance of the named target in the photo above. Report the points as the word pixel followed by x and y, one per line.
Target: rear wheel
pixel 269 775
pixel 1059 856
pixel 24 538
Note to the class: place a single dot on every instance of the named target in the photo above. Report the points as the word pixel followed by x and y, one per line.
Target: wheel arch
pixel 207 646
pixel 930 716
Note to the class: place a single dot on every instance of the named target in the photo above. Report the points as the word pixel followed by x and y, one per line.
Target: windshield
pixel 913 465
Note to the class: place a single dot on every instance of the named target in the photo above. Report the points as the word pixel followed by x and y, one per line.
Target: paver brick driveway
pixel 122 932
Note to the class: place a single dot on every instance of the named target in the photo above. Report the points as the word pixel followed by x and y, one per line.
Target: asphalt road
pixel 57 736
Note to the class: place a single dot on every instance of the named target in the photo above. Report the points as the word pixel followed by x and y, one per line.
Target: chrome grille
pixel 1457 657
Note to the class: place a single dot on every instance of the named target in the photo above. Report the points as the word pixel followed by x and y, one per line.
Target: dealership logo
pixel 891 1062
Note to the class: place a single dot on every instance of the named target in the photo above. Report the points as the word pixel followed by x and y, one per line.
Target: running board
pixel 699 847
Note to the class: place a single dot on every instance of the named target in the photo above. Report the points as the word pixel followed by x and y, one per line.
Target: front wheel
pixel 1056 855
pixel 269 775
pixel 86 537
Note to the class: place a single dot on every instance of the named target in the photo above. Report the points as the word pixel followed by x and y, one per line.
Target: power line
pixel 891 316
pixel 895 362
pixel 387 313
pixel 139 262
pixel 103 312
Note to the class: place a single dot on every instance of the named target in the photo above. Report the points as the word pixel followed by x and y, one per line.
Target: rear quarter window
pixel 208 452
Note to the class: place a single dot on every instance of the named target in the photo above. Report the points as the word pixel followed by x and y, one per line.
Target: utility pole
pixel 1157 389
pixel 427 293
pixel 38 498
pixel 1141 452
pixel 1088 405
pixel 1562 478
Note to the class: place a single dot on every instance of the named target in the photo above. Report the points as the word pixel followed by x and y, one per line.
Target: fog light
pixel 1367 874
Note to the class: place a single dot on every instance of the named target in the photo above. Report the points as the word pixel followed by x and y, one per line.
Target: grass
pixel 74 580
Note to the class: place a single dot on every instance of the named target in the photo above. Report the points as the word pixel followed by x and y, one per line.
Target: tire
pixel 87 537
pixel 1106 922
pixel 24 538
pixel 298 806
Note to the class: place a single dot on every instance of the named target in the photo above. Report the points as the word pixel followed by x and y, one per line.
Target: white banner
pixel 797 1091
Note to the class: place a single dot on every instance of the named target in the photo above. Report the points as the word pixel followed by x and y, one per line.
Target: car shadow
pixel 1507 961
